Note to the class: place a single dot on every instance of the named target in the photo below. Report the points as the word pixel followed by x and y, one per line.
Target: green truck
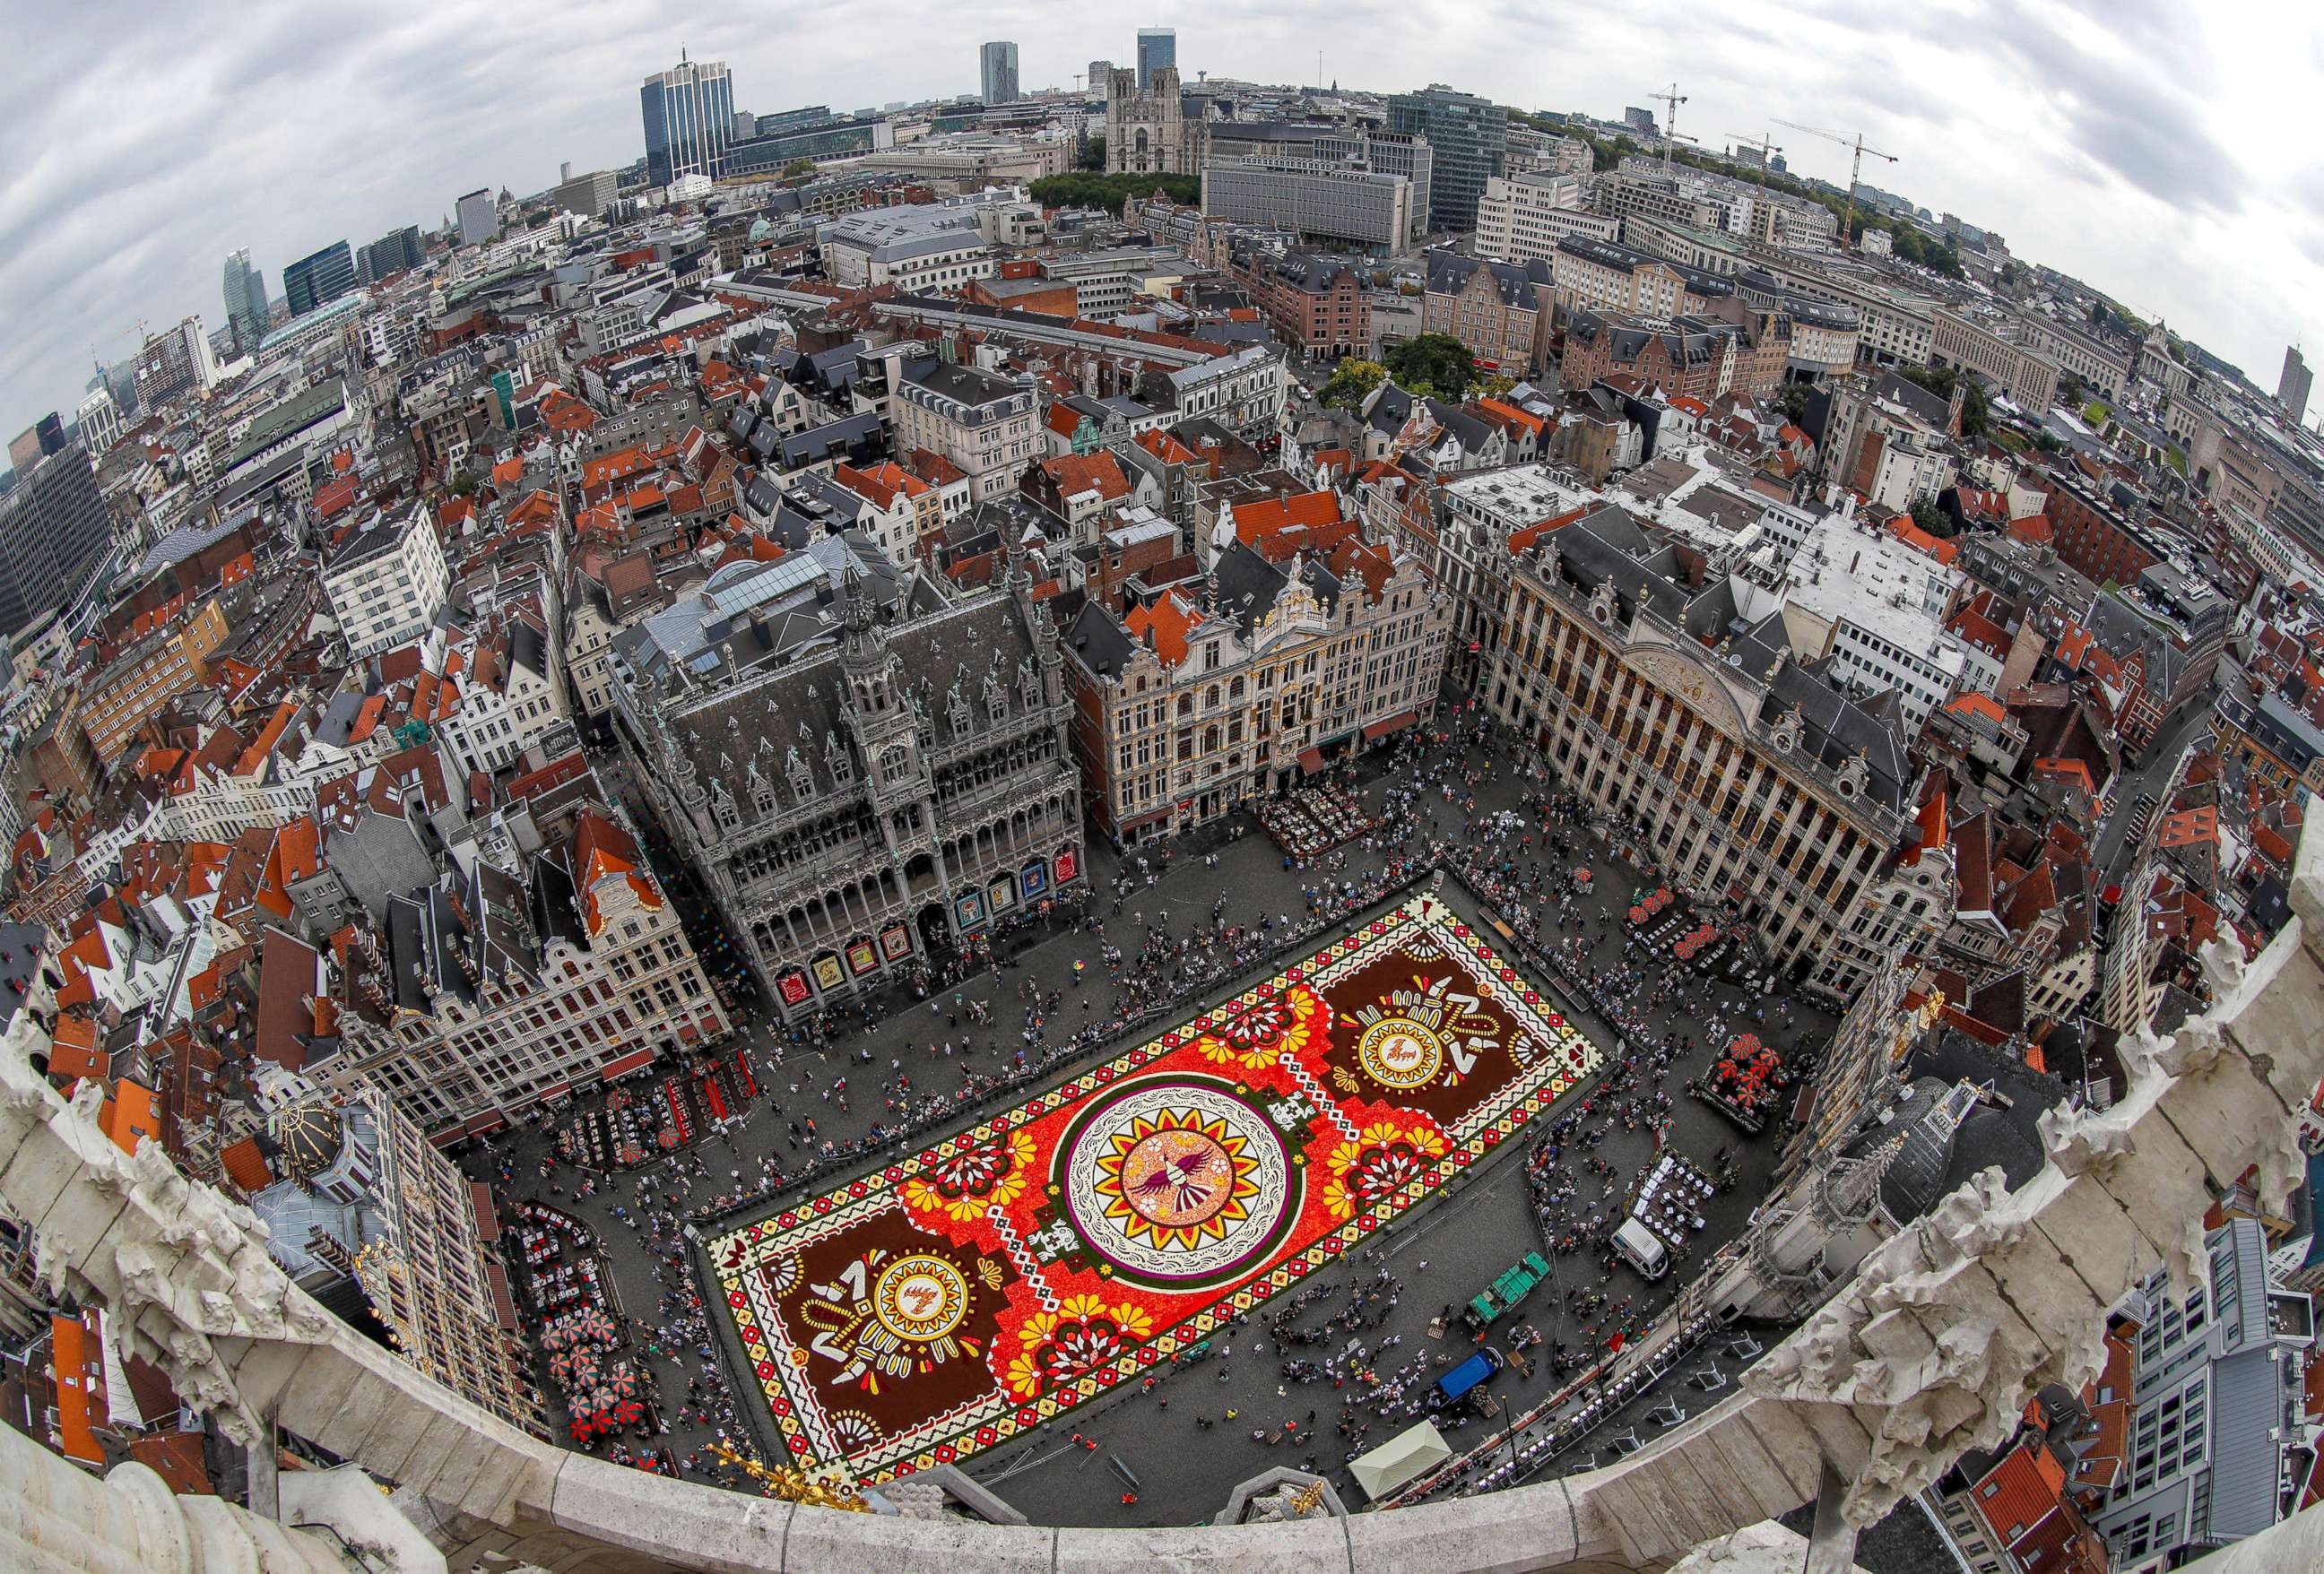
pixel 1501 1296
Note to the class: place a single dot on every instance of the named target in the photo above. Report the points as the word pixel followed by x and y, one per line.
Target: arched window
pixel 1140 142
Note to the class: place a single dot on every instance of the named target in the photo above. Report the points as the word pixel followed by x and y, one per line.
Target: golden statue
pixel 792 1484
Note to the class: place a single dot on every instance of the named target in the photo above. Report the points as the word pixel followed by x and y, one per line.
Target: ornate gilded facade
pixel 880 800
pixel 1757 781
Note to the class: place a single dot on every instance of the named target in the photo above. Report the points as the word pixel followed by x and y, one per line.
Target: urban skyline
pixel 898 791
pixel 2097 152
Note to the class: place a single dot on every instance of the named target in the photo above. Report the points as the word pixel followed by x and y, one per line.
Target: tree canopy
pixel 1351 380
pixel 1093 156
pixel 1081 189
pixel 1976 414
pixel 1433 364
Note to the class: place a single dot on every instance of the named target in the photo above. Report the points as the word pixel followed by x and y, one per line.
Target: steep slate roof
pixel 759 721
pixel 1449 273
pixel 1607 547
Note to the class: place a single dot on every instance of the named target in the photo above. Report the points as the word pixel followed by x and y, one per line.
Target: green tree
pixel 1435 364
pixel 1498 383
pixel 1080 188
pixel 462 484
pixel 797 170
pixel 1792 399
pixel 1932 518
pixel 1977 416
pixel 1093 155
pixel 1351 380
pixel 2069 390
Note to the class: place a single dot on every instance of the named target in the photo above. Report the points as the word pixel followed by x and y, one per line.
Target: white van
pixel 1642 1249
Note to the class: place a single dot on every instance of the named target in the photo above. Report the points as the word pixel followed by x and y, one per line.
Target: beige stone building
pixel 987 425
pixel 481 995
pixel 1500 310
pixel 1757 782
pixel 147 674
pixel 360 1209
pixel 1213 694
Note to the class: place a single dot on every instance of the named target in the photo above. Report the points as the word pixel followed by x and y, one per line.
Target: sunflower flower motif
pixel 962 1187
pixel 1265 1031
pixel 1383 1157
pixel 1081 1336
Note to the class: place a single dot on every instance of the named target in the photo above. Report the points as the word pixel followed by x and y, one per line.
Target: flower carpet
pixel 971 1292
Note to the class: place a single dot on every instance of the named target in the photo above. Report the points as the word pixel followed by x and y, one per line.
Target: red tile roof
pixel 1165 625
pixel 1079 473
pixel 1920 541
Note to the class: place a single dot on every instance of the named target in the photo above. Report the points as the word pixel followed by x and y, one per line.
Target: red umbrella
pixel 584 1428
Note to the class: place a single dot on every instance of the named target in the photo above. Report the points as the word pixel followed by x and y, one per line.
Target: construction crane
pixel 1855 168
pixel 1670 102
pixel 1766 147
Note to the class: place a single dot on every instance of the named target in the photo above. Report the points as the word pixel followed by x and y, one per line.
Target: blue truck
pixel 1455 1385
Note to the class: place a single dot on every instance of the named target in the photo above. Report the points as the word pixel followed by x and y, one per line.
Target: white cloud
pixel 2161 151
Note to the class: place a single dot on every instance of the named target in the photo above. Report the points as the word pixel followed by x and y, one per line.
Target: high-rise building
pixel 320 278
pixel 24 449
pixel 1468 139
pixel 51 431
pixel 1099 71
pixel 1638 120
pixel 997 72
pixel 100 420
pixel 174 362
pixel 689 119
pixel 54 531
pixel 246 312
pixel 477 218
pixel 1156 46
pixel 391 254
pixel 2292 388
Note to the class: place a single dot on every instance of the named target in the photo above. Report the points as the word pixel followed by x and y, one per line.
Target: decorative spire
pixel 859 610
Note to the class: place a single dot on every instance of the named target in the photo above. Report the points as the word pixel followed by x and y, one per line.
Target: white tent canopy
pixel 1413 1451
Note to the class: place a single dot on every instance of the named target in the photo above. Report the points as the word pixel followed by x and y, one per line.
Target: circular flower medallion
pixel 1178 1182
pixel 920 1298
pixel 1397 1051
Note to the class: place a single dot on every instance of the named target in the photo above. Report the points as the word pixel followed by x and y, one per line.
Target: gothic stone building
pixel 1146 132
pixel 879 802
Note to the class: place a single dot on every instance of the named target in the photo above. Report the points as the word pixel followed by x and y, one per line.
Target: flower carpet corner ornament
pixel 1378 1162
pixel 1077 1339
pixel 947 1302
pixel 1253 1035
pixel 981 1177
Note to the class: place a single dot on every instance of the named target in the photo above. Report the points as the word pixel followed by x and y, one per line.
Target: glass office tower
pixel 689 119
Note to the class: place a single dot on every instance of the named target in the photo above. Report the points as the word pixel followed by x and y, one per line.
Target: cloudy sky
pixel 2165 152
